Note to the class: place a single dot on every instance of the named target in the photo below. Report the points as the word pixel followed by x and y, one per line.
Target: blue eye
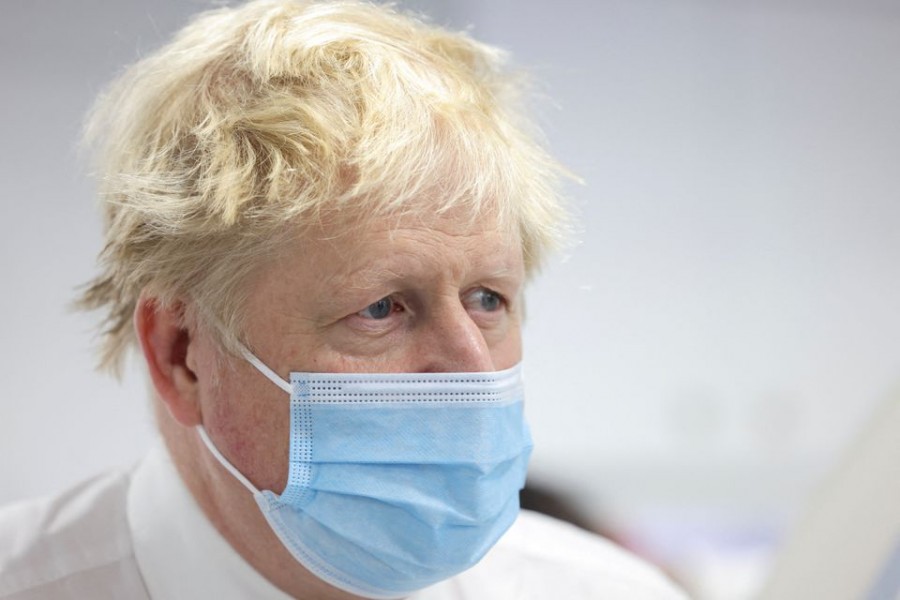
pixel 488 301
pixel 378 310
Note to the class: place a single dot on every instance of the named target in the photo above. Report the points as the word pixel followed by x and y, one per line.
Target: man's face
pixel 433 294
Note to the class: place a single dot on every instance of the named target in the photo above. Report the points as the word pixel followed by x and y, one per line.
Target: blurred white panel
pixel 847 542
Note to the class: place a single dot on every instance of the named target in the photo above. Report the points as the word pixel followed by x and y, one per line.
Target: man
pixel 320 218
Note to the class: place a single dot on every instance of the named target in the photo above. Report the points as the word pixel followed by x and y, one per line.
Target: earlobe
pixel 165 342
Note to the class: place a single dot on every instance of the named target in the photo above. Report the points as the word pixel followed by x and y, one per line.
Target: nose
pixel 451 342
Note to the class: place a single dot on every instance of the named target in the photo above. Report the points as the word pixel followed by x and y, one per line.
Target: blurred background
pixel 696 362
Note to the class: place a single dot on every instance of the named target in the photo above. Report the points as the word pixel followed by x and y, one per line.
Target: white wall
pixel 727 320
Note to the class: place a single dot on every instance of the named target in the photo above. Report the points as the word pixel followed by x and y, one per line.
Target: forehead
pixel 332 258
pixel 350 243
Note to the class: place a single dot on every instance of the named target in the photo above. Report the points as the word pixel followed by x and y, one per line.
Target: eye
pixel 380 309
pixel 486 300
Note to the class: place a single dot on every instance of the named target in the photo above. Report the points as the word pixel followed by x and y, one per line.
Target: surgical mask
pixel 399 480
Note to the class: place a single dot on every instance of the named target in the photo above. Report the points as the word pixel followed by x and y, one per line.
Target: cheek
pixel 507 352
pixel 252 420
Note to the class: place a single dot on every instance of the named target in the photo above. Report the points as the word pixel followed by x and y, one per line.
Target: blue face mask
pixel 396 481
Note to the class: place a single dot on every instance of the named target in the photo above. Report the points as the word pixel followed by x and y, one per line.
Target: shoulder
pixel 541 557
pixel 74 544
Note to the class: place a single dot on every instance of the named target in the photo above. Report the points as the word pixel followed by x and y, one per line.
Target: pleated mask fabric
pixel 396 480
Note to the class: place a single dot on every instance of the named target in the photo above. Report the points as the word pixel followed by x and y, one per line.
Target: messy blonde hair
pixel 257 119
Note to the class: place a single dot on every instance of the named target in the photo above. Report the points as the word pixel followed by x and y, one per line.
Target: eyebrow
pixel 367 277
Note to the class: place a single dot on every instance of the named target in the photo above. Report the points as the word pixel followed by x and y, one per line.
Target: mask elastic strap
pixel 224 461
pixel 251 358
pixel 265 370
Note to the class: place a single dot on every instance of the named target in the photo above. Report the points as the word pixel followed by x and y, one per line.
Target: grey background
pixel 726 322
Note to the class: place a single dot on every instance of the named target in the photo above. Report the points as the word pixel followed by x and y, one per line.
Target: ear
pixel 165 343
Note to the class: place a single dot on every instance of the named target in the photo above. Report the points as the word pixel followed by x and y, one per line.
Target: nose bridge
pixel 454 343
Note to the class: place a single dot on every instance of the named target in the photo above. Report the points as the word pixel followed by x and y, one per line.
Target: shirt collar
pixel 179 552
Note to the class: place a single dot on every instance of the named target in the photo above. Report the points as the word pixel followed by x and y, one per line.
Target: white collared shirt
pixel 140 535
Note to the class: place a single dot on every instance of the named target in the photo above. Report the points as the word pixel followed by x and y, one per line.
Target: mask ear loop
pixel 265 370
pixel 249 356
pixel 224 461
pixel 271 376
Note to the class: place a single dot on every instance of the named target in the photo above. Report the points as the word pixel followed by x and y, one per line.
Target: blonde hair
pixel 258 119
